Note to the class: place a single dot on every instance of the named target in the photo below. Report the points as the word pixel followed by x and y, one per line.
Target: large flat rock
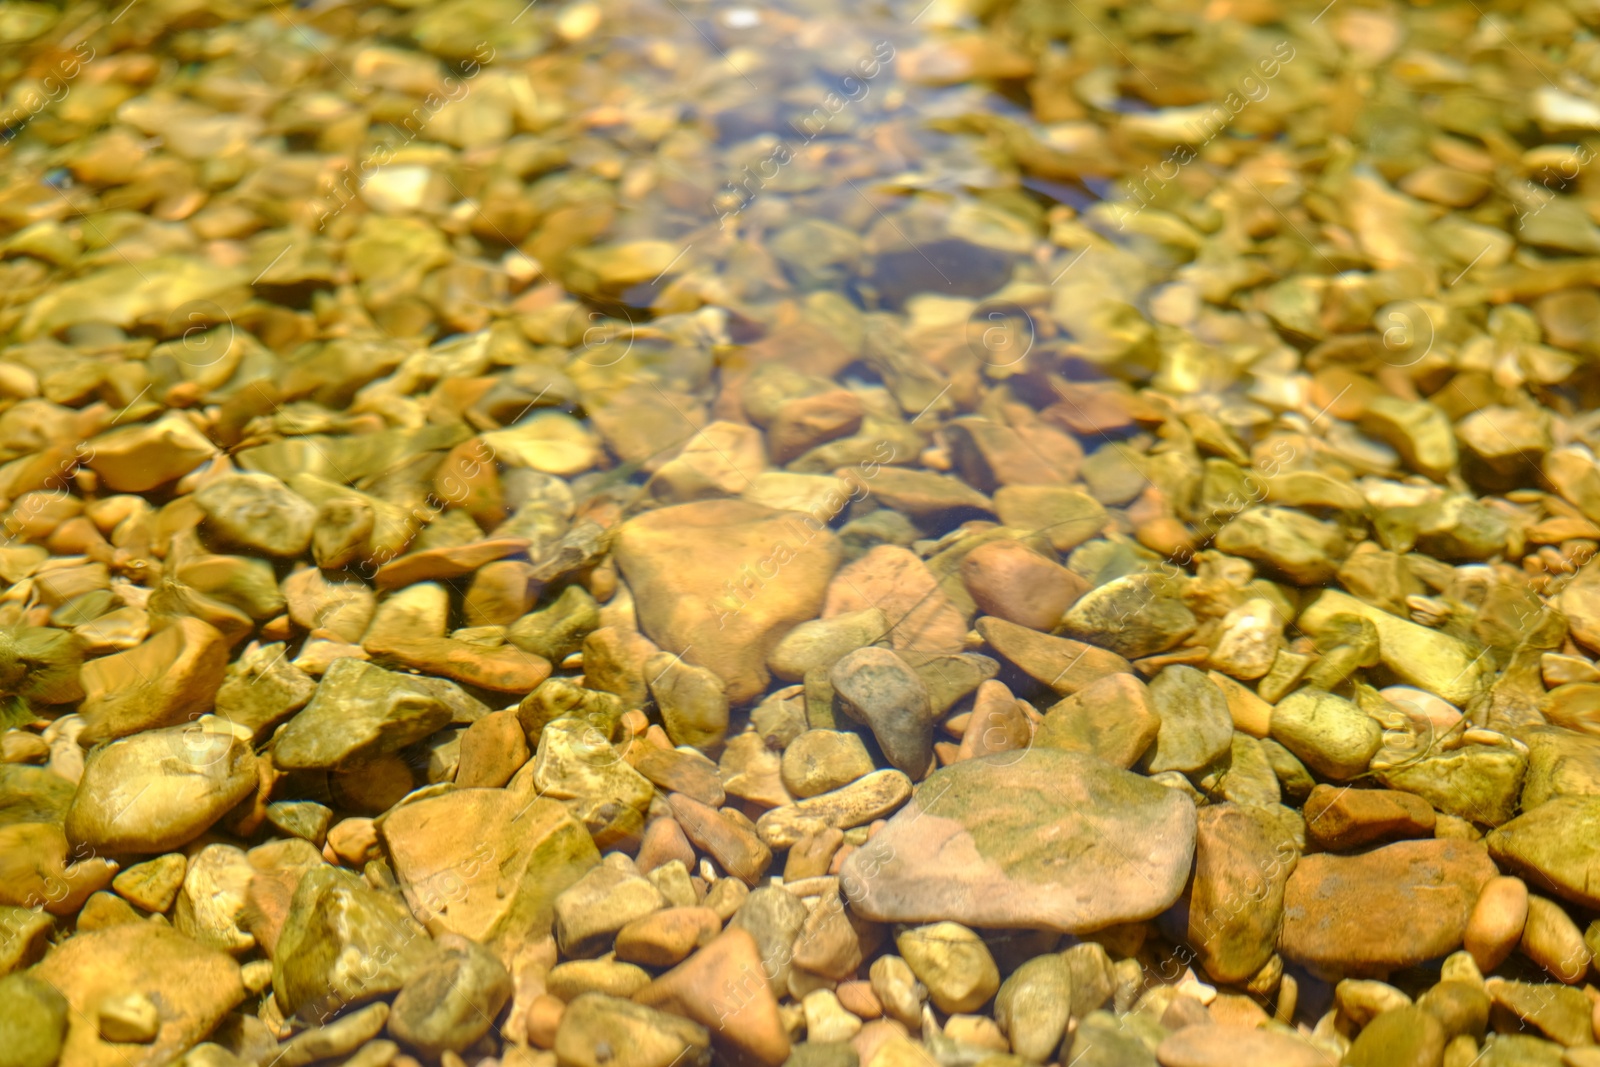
pixel 1042 839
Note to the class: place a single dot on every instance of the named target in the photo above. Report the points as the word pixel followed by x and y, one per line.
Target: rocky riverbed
pixel 634 534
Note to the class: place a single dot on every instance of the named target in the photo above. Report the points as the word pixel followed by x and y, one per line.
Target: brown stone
pixel 723 987
pixel 678 561
pixel 500 594
pixel 443 564
pixel 676 771
pixel 1495 926
pixel 997 723
pixel 487 863
pixel 921 616
pixel 1011 581
pixel 503 669
pixel 1059 663
pixel 492 750
pixel 737 848
pixel 665 938
pixel 170 678
pixel 1110 718
pixel 1335 921
pixel 1340 817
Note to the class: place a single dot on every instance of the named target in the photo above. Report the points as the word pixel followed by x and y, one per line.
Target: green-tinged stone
pixel 1555 847
pixel 347 459
pixel 159 789
pixel 1332 735
pixel 1289 543
pixel 1479 782
pixel 1421 432
pixel 1033 1005
pixel 453 1000
pixel 1561 762
pixel 557 631
pixel 1428 659
pixel 358 710
pixel 823 642
pixel 1196 729
pixel 1133 616
pixel 33 1021
pixel 343 943
pixel 1243 861
pixel 558 698
pixel 40 664
pixel 32 794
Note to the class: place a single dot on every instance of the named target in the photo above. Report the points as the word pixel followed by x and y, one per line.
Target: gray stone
pixel 879 688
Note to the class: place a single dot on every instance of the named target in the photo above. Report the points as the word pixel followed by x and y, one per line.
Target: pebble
pixel 603 1031
pixel 492 750
pixel 171 678
pixel 1112 719
pixel 1333 920
pixel 952 963
pixel 257 513
pixel 999 723
pixel 897 582
pixel 375 947
pixel 774 917
pixel 1195 727
pixel 823 642
pixel 1059 663
pixel 977 853
pixel 1553 941
pixel 864 800
pixel 1560 1013
pixel 721 987
pixel 196 988
pixel 1011 581
pixel 677 560
pixel 1398 1038
pixel 819 761
pixel 1243 862
pixel 878 688
pixel 1033 1006
pixel 664 938
pixel 158 790
pixel 452 1000
pixel 826 1018
pixel 589 913
pixel 574 978
pixel 1067 517
pixel 1343 818
pixel 358 710
pixel 736 846
pixel 1332 735
pixel 1219 1046
pixel 341 1037
pixel 1134 616
pixel 153 885
pixel 33 1020
pixel 127 1018
pixel 1553 845
pixel 692 701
